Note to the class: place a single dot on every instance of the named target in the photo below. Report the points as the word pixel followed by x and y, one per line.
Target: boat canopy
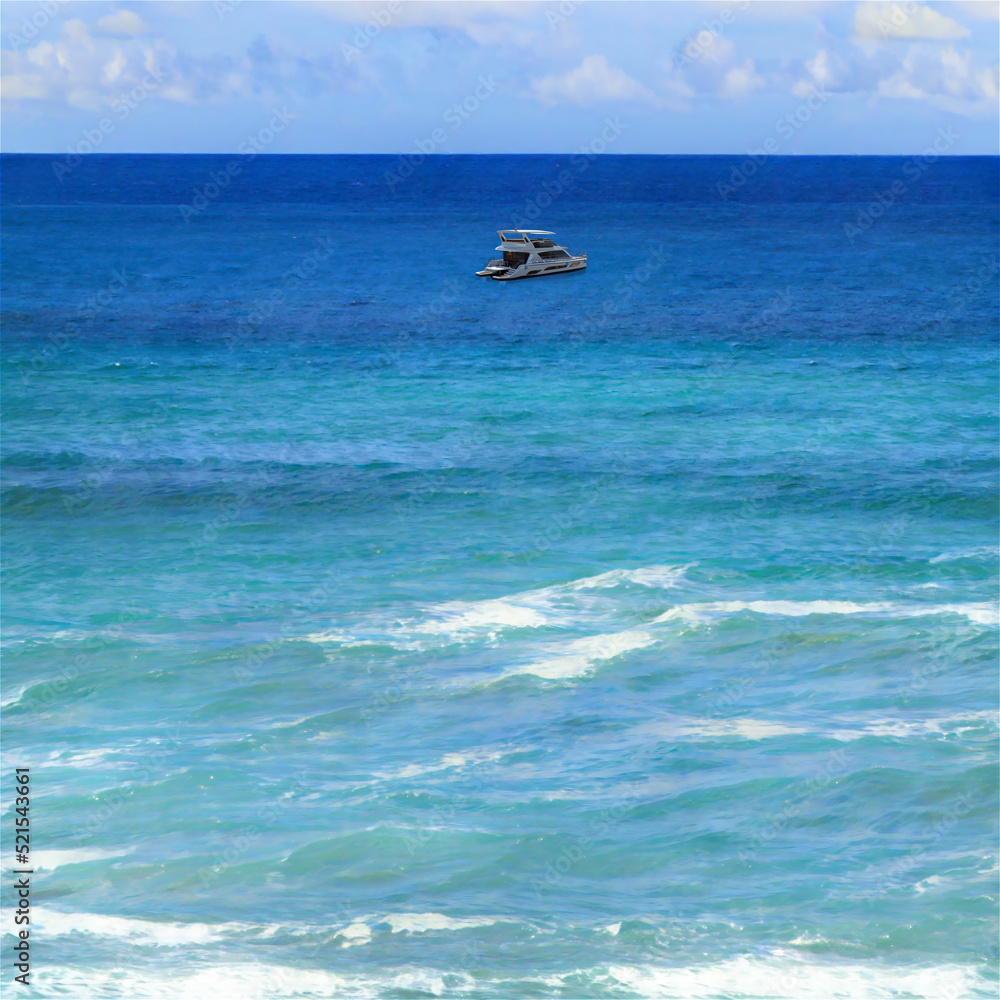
pixel 520 235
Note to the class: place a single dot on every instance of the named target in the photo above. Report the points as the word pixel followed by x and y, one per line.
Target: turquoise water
pixel 377 630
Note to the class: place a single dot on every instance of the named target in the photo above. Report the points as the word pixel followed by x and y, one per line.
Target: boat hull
pixel 541 270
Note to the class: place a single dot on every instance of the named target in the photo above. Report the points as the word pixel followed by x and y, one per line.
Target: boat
pixel 530 253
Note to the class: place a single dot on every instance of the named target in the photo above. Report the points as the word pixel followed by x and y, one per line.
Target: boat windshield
pixel 514 259
pixel 512 237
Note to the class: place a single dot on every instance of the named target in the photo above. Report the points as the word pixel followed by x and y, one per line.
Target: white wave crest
pixel 82 758
pixel 51 860
pixel 163 934
pixel 239 981
pixel 784 975
pixel 141 932
pixel 844 729
pixel 562 605
pixel 545 606
pixel 982 552
pixel 743 728
pixel 419 923
pixel 645 576
pixel 15 697
pixel 579 656
pixel 952 725
pixel 983 613
pixel 459 617
pixel 354 934
pixel 350 642
pixel 450 761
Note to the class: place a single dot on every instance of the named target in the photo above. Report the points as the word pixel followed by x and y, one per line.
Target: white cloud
pixel 486 22
pixel 79 70
pixel 677 93
pixel 96 72
pixel 909 20
pixel 123 22
pixel 713 48
pixel 982 10
pixel 947 78
pixel 741 80
pixel 827 71
pixel 821 68
pixel 592 82
pixel 91 66
pixel 706 64
pixel 941 75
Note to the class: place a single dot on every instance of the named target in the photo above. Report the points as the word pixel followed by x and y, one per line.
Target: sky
pixel 405 76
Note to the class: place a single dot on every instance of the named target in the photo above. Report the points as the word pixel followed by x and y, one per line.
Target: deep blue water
pixel 373 629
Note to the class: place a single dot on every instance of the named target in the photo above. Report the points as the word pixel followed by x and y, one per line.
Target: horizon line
pixel 565 152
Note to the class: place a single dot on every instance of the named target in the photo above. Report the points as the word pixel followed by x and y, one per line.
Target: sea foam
pixel 53 923
pixel 573 604
pixel 580 656
pixel 781 975
pixel 784 974
pixel 51 860
pixel 981 613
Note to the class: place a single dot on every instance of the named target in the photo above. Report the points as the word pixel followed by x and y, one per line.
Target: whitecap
pixel 982 613
pixel 328 636
pixel 809 939
pixel 544 606
pixel 976 553
pixel 854 728
pixel 13 699
pixel 450 761
pixel 993 865
pixel 928 883
pixel 843 729
pixel 420 923
pixel 240 981
pixel 562 605
pixel 459 617
pixel 784 975
pixel 787 976
pixel 696 614
pixel 51 860
pixel 354 934
pixel 90 759
pixel 742 728
pixel 289 724
pixel 645 576
pixel 54 923
pixel 349 642
pixel 709 728
pixel 579 656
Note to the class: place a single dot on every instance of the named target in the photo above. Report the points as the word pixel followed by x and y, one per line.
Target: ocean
pixel 377 630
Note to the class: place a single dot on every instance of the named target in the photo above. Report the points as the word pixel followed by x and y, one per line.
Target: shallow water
pixel 377 630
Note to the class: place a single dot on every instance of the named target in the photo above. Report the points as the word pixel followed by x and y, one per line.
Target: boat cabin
pixel 520 246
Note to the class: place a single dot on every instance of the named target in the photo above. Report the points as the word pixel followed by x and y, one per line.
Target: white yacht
pixel 528 253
